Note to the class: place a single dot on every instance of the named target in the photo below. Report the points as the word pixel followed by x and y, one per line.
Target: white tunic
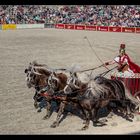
pixel 128 73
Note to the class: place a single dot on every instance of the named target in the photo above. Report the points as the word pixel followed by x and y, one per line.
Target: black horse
pixel 98 93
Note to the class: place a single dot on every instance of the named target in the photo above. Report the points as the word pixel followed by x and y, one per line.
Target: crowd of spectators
pixel 101 15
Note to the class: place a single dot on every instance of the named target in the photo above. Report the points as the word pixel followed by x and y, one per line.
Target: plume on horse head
pixel 73 70
pixel 40 68
pixel 35 63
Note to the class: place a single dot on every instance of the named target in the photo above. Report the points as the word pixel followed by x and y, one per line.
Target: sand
pixel 56 48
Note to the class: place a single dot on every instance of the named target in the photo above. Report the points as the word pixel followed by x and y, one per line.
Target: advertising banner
pixel 128 30
pixel 114 29
pixel 90 28
pixel 137 30
pixel 69 26
pixel 8 26
pixel 102 28
pixel 49 25
pixel 29 26
pixel 98 28
pixel 60 26
pixel 79 27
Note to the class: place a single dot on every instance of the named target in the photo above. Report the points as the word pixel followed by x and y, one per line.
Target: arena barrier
pixel 30 26
pixel 98 28
pixel 8 26
pixel 72 27
pixel 49 25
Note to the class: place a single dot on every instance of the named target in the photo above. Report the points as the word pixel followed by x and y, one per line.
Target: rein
pixel 61 95
pixel 104 73
pixel 91 68
pixel 46 94
pixel 84 89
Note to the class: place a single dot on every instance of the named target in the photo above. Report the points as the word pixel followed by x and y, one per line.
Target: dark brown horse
pixel 37 77
pixel 99 93
pixel 58 83
pixel 46 84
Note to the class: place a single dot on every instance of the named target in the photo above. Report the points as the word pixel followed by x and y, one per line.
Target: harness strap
pixel 44 94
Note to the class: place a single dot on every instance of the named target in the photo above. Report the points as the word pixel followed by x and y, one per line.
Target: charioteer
pixel 126 67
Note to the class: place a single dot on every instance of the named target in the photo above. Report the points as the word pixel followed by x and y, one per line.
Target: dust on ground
pixel 58 49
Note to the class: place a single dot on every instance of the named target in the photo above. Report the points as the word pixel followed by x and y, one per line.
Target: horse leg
pixel 48 111
pixel 36 104
pixel 94 116
pixel 61 110
pixel 109 108
pixel 128 114
pixel 87 120
pixel 83 114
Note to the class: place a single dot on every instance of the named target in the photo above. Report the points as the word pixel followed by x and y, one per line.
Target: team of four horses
pixel 65 88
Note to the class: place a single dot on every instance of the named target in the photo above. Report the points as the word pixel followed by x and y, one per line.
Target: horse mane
pixel 35 63
pixel 44 71
pixel 83 85
pixel 61 79
pixel 99 87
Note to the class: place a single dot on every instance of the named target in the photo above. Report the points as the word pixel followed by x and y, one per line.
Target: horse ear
pixel 26 70
pixel 34 62
pixel 54 73
pixel 75 74
pixel 72 74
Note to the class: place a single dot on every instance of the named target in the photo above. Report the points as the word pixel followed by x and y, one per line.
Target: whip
pixel 95 52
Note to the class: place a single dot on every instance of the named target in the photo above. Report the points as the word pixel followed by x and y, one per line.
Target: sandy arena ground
pixel 56 48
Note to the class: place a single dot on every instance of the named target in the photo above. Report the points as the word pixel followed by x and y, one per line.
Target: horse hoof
pixel 131 116
pixel 54 125
pixel 84 122
pixel 45 117
pixel 103 120
pixel 84 128
pixel 39 110
pixel 128 119
pixel 110 116
pixel 36 106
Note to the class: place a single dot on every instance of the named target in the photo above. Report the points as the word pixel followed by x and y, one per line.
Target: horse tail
pixel 130 97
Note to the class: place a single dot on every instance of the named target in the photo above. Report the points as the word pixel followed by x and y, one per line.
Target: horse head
pixel 73 83
pixel 57 81
pixel 53 81
pixel 31 77
pixel 36 75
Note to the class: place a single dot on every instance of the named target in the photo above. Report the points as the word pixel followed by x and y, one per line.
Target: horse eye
pixel 26 70
pixel 72 80
pixel 31 75
pixel 28 75
pixel 34 76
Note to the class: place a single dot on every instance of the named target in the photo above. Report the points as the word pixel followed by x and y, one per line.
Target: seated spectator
pixel 104 15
